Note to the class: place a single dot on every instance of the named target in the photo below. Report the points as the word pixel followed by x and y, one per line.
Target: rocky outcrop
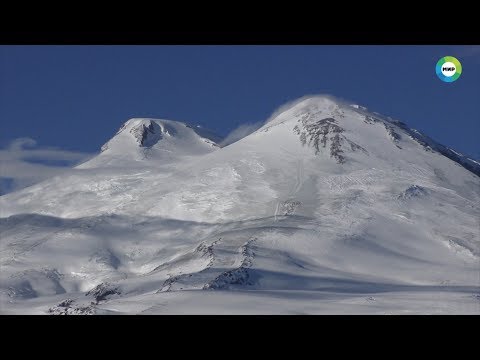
pixel 320 133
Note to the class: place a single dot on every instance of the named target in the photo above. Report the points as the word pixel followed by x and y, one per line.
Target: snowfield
pixel 326 209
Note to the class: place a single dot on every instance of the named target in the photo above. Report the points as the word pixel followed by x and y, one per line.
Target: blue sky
pixel 74 98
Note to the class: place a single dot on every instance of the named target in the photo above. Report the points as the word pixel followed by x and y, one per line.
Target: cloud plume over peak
pixel 240 132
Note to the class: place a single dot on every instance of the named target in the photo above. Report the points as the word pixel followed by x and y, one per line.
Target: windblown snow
pixel 327 208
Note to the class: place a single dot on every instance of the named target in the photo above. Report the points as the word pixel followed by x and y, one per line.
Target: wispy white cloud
pixel 246 129
pixel 240 132
pixel 23 163
pixel 290 104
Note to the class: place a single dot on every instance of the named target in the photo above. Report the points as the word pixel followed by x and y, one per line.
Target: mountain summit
pixel 165 140
pixel 327 208
pixel 328 123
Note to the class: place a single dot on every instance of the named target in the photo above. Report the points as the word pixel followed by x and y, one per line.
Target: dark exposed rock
pixel 147 135
pixel 205 251
pixel 316 133
pixel 66 303
pixel 370 119
pixel 102 291
pixel 420 140
pixel 238 276
pixel 68 307
pixel 167 284
pixel 356 147
pixel 289 207
pixel 319 133
pixel 413 191
pixel 394 136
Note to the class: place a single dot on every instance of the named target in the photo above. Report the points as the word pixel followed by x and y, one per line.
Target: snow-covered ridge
pixel 317 120
pixel 396 127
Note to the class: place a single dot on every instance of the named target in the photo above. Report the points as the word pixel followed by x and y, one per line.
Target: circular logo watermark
pixel 448 69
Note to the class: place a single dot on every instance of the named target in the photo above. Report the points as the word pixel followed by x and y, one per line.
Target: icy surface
pixel 327 208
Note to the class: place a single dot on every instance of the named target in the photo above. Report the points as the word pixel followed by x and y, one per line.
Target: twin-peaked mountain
pixel 326 208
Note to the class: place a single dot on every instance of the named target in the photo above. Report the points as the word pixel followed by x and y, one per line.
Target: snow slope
pixel 327 208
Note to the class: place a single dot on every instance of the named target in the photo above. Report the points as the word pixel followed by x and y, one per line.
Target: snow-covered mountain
pixel 327 208
pixel 163 140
